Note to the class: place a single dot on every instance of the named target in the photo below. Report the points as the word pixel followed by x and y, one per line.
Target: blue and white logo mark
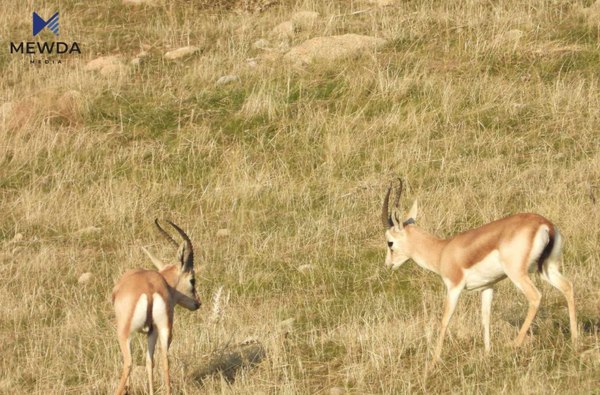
pixel 39 24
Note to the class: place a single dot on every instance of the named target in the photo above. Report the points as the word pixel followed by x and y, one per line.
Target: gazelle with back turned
pixel 145 300
pixel 478 258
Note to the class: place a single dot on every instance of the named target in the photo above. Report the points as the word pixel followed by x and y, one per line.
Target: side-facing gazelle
pixel 144 300
pixel 478 258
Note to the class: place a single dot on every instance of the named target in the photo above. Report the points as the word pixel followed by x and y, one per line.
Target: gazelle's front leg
pixel 449 306
pixel 554 277
pixel 486 309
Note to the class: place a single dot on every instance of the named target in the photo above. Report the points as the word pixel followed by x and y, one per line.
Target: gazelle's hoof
pixel 520 343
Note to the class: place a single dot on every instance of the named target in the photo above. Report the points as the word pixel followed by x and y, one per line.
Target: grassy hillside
pixel 485 108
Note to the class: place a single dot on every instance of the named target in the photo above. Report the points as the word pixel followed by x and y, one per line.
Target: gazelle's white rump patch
pixel 160 315
pixel 138 320
pixel 541 239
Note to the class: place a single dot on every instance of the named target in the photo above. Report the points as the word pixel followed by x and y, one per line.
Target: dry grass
pixel 481 121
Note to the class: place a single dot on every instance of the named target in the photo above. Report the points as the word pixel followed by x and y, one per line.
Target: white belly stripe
pixel 485 272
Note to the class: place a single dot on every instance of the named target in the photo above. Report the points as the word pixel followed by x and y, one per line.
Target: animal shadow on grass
pixel 229 361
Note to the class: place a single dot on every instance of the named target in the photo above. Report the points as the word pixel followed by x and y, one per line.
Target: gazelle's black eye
pixel 390 244
pixel 193 282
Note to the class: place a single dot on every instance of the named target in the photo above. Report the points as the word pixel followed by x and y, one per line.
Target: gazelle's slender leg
pixel 534 297
pixel 164 339
pixel 449 306
pixel 486 309
pixel 125 345
pixel 554 277
pixel 152 337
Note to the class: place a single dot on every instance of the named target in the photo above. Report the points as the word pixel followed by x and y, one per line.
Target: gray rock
pixel 84 278
pixel 261 44
pixel 223 232
pixel 181 53
pixel 227 79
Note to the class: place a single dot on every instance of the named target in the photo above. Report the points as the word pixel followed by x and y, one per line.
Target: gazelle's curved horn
pixel 188 258
pixel 164 233
pixel 386 217
pixel 385 214
pixel 398 193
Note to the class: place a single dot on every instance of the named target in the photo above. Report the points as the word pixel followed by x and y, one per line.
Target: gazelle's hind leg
pixel 162 313
pixel 165 340
pixel 152 336
pixel 125 345
pixel 534 297
pixel 552 274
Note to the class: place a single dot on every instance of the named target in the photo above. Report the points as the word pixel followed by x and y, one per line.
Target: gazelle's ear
pixel 413 211
pixel 155 261
pixel 396 218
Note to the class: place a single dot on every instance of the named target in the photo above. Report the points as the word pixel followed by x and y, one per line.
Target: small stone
pixel 251 62
pixel 84 278
pixel 17 238
pixel 261 44
pixel 139 2
pixel 337 391
pixel 510 37
pixel 113 69
pixel 135 61
pixel 305 268
pixel 223 233
pixel 180 53
pixel 88 230
pixel 227 79
pixel 287 326
pixel 514 34
pixel 382 3
pixel 284 30
pixel 99 63
pixel 5 110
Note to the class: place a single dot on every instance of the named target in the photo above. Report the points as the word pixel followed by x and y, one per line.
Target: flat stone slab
pixel 332 48
pixel 103 62
pixel 182 52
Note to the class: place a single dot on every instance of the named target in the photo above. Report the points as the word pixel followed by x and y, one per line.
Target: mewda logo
pixel 39 24
pixel 46 51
